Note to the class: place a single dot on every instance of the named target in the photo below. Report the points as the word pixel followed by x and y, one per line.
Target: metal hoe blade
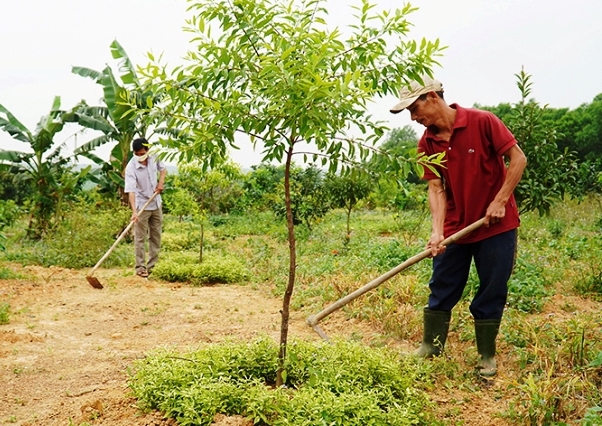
pixel 94 282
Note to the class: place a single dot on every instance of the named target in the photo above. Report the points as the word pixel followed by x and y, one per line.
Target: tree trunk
pixel 202 242
pixel 348 238
pixel 291 270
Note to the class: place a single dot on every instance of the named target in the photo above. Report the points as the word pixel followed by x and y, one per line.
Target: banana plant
pixel 115 119
pixel 48 171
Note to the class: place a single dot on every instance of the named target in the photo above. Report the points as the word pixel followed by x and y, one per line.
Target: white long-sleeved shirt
pixel 143 181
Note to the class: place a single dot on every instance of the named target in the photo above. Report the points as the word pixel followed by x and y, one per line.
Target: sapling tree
pixel 551 173
pixel 180 202
pixel 345 191
pixel 260 186
pixel 299 88
pixel 211 191
pixel 308 199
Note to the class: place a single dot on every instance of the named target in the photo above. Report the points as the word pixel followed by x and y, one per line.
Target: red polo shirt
pixel 473 171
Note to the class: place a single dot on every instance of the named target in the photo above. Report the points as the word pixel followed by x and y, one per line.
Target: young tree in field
pixel 260 186
pixel 200 192
pixel 308 200
pixel 553 170
pixel 550 172
pixel 216 190
pixel 45 167
pixel 277 72
pixel 180 203
pixel 345 191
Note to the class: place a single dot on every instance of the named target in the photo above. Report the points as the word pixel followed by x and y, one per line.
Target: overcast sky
pixel 558 42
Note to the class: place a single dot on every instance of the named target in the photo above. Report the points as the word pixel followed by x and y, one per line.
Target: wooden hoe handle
pixel 125 231
pixel 314 319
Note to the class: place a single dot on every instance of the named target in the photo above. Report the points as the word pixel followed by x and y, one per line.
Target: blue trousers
pixel 494 260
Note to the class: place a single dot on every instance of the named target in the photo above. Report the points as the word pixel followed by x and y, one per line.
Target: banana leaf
pixel 128 70
pixel 87 72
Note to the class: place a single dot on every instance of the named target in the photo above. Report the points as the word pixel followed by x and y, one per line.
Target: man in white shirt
pixel 140 184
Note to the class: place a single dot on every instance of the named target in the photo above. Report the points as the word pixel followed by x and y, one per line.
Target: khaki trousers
pixel 149 224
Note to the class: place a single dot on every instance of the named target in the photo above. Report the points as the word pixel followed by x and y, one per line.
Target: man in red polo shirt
pixel 473 182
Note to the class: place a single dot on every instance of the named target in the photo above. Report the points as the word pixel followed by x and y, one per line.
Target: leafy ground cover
pixel 62 336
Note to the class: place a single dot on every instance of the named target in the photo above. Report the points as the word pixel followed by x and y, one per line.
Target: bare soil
pixel 65 354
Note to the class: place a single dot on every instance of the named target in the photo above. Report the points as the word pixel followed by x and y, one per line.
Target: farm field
pixel 67 349
pixel 329 196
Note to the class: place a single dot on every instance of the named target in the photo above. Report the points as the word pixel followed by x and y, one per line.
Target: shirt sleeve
pixel 130 179
pixel 499 135
pixel 160 164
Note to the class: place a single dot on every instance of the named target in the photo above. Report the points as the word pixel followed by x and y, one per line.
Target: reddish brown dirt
pixel 65 353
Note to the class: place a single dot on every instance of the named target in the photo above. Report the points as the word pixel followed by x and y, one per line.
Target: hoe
pixel 313 320
pixel 93 280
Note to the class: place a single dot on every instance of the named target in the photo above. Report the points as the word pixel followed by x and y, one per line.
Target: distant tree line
pixel 579 129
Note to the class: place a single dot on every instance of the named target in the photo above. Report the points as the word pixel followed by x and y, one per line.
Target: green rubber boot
pixel 436 326
pixel 486 333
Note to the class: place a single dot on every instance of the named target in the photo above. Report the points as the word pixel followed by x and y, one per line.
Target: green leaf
pixel 126 67
pixel 87 72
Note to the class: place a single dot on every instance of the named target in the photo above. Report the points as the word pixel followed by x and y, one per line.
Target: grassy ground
pixel 551 340
pixel 550 344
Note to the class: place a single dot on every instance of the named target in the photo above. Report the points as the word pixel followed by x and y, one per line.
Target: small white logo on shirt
pixel 471 151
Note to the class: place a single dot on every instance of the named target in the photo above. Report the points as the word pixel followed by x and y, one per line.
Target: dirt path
pixel 65 353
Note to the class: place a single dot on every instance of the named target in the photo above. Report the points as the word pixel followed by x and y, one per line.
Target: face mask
pixel 142 158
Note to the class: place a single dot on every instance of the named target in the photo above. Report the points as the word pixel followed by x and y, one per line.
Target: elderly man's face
pixel 422 110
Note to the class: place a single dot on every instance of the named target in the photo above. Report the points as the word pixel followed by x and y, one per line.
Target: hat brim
pixel 403 104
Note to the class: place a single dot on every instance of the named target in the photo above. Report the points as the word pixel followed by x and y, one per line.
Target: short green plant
pixel 185 267
pixel 9 213
pixel 343 383
pixel 388 253
pixel 598 224
pixel 528 288
pixel 538 402
pixel 593 417
pixel 180 241
pixel 597 361
pixel 8 274
pixel 556 228
pixel 590 282
pixel 4 313
pixel 559 372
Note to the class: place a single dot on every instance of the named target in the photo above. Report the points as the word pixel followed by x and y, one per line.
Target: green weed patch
pixel 326 384
pixel 79 241
pixel 186 267
pixel 528 288
pixel 4 313
pixel 7 274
